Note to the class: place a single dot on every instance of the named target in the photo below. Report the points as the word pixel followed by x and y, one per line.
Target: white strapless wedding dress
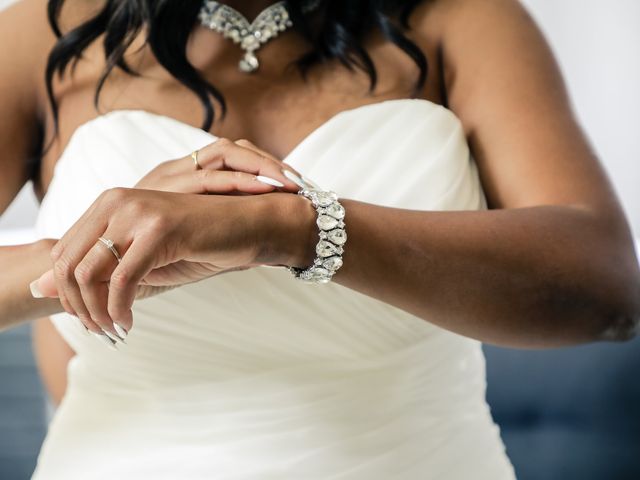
pixel 254 375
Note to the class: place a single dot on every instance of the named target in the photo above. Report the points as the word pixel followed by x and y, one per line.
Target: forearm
pixel 535 277
pixel 21 265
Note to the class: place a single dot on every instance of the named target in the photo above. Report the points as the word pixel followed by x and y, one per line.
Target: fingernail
pixel 293 177
pixel 113 337
pixel 106 340
pixel 82 326
pixel 311 182
pixel 269 181
pixel 35 290
pixel 121 331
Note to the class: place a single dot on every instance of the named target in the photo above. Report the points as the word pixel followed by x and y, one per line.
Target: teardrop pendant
pixel 249 35
pixel 249 63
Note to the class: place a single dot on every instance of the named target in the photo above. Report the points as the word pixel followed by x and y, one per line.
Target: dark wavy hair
pixel 335 30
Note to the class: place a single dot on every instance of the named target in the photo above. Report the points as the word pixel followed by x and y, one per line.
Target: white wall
pixel 598 46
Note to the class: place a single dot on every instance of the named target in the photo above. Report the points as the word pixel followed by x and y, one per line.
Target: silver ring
pixel 194 157
pixel 109 244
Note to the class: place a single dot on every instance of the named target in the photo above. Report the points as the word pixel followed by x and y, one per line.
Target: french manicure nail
pixel 269 181
pixel 113 337
pixel 311 182
pixel 121 331
pixel 82 326
pixel 293 177
pixel 35 291
pixel 106 340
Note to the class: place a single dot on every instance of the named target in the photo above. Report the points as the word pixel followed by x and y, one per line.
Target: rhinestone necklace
pixel 232 24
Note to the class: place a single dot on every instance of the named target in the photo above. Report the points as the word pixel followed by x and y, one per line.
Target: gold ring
pixel 109 244
pixel 194 157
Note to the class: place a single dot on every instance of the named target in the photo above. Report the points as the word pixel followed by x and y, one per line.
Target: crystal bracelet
pixel 332 236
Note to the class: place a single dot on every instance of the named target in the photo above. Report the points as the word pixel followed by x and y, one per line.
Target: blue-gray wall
pixel 22 406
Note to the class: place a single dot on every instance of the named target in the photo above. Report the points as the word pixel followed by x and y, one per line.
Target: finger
pixel 65 271
pixel 95 216
pixel 217 181
pixel 185 164
pixel 300 180
pixel 66 305
pixel 136 263
pixel 93 274
pixel 227 155
pixel 47 285
pixel 170 167
pixel 206 160
pixel 68 291
pixel 70 249
pixel 62 257
pixel 243 142
pixel 284 167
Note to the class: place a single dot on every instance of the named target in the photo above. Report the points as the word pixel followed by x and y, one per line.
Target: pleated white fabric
pixel 255 375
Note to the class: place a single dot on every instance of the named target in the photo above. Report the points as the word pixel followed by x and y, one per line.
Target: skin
pixel 551 263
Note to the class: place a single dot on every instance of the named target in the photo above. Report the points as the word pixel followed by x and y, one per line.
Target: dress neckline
pixel 114 114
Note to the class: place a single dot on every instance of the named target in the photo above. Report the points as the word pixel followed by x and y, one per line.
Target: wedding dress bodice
pixel 255 375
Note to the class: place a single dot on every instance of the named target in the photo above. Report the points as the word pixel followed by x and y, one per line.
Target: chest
pixel 274 108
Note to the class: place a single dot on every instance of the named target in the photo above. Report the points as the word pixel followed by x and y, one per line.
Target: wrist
pixel 42 247
pixel 290 234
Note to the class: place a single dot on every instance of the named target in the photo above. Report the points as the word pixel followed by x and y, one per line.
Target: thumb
pixel 45 286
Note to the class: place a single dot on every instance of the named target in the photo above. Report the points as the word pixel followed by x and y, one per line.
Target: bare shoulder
pixel 496 41
pixel 24 28
pixel 25 41
pixel 489 41
pixel 28 39
pixel 503 82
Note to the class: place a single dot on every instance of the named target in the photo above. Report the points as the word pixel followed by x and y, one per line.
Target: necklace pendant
pixel 227 21
pixel 249 63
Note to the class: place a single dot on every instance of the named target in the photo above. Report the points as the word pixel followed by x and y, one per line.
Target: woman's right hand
pixel 223 167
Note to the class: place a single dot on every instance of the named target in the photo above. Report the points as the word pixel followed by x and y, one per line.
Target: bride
pixel 276 247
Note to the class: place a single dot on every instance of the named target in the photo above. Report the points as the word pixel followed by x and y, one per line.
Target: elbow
pixel 623 322
pixel 623 328
pixel 617 291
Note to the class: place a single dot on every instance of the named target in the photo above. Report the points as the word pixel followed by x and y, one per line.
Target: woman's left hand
pixel 224 167
pixel 168 238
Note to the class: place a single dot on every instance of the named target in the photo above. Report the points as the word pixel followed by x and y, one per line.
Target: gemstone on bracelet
pixel 332 263
pixel 318 273
pixel 335 210
pixel 337 236
pixel 322 198
pixel 326 222
pixel 326 249
pixel 332 236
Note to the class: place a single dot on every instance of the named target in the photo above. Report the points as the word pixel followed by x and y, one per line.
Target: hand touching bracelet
pixel 332 237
